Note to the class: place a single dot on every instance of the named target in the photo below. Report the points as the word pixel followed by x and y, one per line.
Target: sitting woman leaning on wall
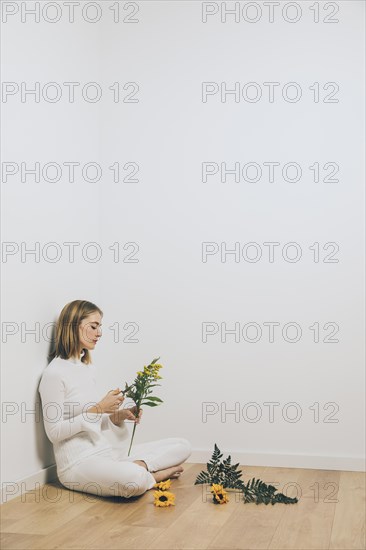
pixel 90 445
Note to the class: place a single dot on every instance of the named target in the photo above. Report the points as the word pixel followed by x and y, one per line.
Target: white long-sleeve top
pixel 68 389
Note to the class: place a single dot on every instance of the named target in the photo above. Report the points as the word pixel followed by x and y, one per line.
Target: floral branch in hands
pixel 140 393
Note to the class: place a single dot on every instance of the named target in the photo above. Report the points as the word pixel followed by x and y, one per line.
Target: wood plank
pixel 43 517
pixel 88 530
pixel 38 501
pixel 56 518
pixel 126 537
pixel 16 541
pixel 195 527
pixel 5 524
pixel 201 521
pixel 349 520
pixel 319 484
pixel 250 525
pixel 306 525
pixel 84 529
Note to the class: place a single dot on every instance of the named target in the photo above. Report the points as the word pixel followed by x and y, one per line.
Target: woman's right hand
pixel 111 402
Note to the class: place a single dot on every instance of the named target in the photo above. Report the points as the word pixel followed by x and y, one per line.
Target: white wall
pixel 34 288
pixel 170 292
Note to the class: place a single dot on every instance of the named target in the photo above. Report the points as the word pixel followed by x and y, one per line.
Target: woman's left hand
pixel 127 414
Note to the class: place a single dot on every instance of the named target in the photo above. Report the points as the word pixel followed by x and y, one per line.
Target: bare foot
pixel 168 473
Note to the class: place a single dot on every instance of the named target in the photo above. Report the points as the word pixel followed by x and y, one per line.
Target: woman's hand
pixel 126 414
pixel 111 402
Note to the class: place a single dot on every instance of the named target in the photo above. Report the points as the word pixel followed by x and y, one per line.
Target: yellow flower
pixel 163 485
pixel 164 498
pixel 152 371
pixel 139 373
pixel 219 494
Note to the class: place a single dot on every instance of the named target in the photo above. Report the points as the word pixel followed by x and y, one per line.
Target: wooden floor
pixel 330 514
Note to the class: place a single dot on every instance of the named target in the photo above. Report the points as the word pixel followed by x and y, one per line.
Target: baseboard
pixel 13 489
pixel 342 463
pixel 10 490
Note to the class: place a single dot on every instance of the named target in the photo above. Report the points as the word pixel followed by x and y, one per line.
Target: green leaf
pixel 155 399
pixel 154 361
pixel 150 404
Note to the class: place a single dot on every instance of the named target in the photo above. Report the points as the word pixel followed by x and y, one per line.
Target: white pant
pixel 113 473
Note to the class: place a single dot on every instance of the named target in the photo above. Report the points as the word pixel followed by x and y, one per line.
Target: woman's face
pixel 90 331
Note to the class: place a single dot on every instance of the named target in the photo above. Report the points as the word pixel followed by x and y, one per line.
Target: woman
pixel 89 436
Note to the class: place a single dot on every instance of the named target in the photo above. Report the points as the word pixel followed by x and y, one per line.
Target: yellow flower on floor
pixel 163 485
pixel 164 498
pixel 219 494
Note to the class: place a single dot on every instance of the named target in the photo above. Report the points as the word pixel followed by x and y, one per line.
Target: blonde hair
pixel 67 340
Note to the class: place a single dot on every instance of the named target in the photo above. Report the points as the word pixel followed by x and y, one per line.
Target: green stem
pixel 134 428
pixel 133 434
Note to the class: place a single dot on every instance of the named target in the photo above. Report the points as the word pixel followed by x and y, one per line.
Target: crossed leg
pixel 109 475
pixel 163 458
pixel 166 473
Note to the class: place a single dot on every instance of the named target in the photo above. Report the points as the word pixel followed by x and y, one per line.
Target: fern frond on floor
pixel 226 474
